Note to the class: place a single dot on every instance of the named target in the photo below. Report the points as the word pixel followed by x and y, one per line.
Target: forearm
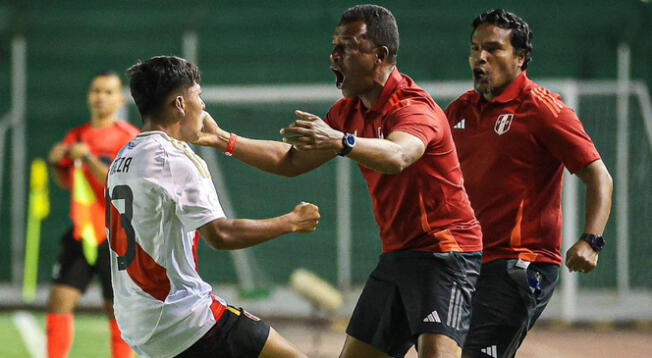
pixel 233 234
pixel 271 156
pixel 599 187
pixel 598 205
pixel 97 168
pixel 380 155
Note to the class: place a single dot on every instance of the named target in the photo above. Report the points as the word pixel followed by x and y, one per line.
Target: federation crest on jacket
pixel 503 123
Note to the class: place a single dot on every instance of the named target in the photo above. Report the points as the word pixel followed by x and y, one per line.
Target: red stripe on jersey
pixel 217 308
pixel 403 103
pixel 144 271
pixel 393 100
pixel 550 107
pixel 515 238
pixel 118 240
pixel 447 241
pixel 396 101
pixel 425 226
pixel 548 100
pixel 195 246
pixel 149 275
pixel 553 103
pixel 545 97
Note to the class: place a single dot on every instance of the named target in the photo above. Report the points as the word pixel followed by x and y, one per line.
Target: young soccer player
pixel 160 198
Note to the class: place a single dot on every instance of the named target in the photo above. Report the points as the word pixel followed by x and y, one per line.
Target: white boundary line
pixel 31 333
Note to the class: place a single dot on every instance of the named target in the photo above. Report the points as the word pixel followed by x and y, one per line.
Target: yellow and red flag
pixel 39 209
pixel 87 214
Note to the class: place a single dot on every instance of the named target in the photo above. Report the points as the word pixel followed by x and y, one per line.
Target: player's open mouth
pixel 479 74
pixel 339 77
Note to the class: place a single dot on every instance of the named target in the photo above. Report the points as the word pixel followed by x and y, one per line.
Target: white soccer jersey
pixel 159 192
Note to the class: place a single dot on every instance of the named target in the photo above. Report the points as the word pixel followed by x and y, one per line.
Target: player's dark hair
pixel 151 81
pixel 521 34
pixel 107 73
pixel 381 26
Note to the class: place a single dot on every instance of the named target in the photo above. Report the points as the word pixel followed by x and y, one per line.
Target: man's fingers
pixel 306 115
pixel 295 130
pixel 298 140
pixel 305 146
pixel 301 123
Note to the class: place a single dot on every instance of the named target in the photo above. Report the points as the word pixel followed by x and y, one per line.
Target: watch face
pixel 350 140
pixel 599 242
pixel 596 241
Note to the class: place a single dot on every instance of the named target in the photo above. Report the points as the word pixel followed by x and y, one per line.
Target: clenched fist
pixel 581 257
pixel 304 217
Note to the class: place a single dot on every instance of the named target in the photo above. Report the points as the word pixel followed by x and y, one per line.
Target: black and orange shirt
pixel 425 207
pixel 513 150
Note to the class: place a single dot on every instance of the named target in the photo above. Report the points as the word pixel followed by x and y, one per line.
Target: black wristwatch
pixel 596 241
pixel 348 141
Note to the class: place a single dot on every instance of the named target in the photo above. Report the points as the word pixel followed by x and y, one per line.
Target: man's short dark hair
pixel 151 81
pixel 107 73
pixel 521 34
pixel 381 26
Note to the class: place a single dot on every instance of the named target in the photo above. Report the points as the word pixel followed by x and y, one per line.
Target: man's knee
pixel 63 299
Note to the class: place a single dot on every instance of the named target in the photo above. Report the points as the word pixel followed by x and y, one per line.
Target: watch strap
pixel 347 147
pixel 596 241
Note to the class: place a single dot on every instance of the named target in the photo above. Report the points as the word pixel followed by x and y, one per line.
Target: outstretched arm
pixel 389 156
pixel 268 155
pixel 599 186
pixel 232 234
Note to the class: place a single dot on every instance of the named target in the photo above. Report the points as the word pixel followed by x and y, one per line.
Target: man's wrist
pixel 348 143
pixel 230 144
pixel 596 241
pixel 222 140
pixel 290 227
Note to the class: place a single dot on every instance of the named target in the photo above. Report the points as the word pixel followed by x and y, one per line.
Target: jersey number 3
pixel 122 237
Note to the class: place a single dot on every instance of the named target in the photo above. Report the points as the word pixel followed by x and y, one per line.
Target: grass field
pixel 92 339
pixel 91 336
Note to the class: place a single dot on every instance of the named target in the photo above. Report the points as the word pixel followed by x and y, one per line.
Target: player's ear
pixel 382 54
pixel 180 105
pixel 520 58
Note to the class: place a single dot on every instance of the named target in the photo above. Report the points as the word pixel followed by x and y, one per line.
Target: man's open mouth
pixel 339 77
pixel 479 74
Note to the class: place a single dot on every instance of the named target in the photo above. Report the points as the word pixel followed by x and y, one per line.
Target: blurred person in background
pixel 160 198
pixel 514 138
pixel 80 164
pixel 420 292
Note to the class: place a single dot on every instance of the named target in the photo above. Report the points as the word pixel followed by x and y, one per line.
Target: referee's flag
pixel 87 214
pixel 39 209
